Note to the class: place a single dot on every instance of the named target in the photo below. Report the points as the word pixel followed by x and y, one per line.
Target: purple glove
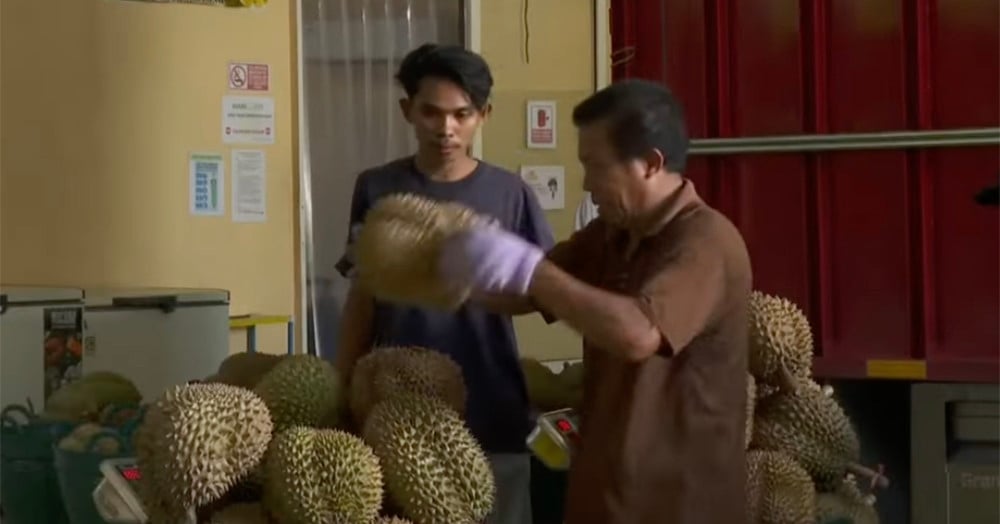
pixel 489 260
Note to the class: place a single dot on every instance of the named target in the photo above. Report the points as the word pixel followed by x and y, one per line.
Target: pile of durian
pixel 550 391
pixel 280 439
pixel 803 452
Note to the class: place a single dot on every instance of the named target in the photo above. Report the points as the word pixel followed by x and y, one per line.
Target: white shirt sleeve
pixel 585 212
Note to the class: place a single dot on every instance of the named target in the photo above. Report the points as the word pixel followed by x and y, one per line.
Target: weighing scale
pixel 555 438
pixel 115 497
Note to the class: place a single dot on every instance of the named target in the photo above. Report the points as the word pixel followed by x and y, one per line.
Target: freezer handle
pixel 3 304
pixel 165 303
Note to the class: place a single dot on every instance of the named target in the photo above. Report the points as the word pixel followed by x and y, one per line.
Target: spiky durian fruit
pixel 434 469
pixel 389 371
pixel 392 520
pixel 810 426
pixel 779 491
pixel 397 249
pixel 242 513
pixel 244 369
pixel 751 407
pixel 545 391
pixel 84 399
pixel 321 476
pixel 781 343
pixel 301 390
pixel 846 502
pixel 195 442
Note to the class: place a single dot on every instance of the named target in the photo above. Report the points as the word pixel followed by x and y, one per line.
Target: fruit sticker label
pixel 63 347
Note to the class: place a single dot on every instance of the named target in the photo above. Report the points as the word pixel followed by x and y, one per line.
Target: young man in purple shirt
pixel 447 100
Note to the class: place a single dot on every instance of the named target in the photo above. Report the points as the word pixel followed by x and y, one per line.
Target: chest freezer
pixel 156 337
pixel 41 340
pixel 41 335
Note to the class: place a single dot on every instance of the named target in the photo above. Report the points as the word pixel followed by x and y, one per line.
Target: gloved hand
pixel 489 260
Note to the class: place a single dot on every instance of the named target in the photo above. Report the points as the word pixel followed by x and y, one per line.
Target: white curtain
pixel 351 50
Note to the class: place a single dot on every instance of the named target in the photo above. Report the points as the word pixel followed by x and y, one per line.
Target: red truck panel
pixel 895 265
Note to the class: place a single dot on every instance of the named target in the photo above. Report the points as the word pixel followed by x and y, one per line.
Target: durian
pixel 301 390
pixel 781 343
pixel 195 442
pixel 545 391
pixel 90 437
pixel 398 244
pixel 244 369
pixel 390 371
pixel 751 406
pixel 846 502
pixel 392 520
pixel 84 399
pixel 779 491
pixel 434 469
pixel 811 427
pixel 242 513
pixel 321 476
pixel 571 378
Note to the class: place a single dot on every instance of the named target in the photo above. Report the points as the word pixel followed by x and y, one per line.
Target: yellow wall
pixel 559 66
pixel 102 102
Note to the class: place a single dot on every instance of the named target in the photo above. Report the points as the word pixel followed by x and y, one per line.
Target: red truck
pixel 848 140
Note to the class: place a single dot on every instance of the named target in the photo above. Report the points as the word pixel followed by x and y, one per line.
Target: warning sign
pixel 541 124
pixel 249 77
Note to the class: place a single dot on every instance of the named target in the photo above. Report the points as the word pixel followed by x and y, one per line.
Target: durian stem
pixel 786 381
pixel 877 478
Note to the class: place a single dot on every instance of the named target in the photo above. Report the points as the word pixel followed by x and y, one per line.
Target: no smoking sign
pixel 249 77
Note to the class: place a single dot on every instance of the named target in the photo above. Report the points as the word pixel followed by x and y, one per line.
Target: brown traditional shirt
pixel 662 439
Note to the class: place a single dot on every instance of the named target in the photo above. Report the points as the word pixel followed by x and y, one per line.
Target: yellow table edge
pixel 247 321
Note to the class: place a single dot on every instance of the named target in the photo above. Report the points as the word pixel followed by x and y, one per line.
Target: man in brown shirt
pixel 658 287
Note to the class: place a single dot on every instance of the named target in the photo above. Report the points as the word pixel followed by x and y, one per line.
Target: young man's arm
pixel 357 319
pixel 356 337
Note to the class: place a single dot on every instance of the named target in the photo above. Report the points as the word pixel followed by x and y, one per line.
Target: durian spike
pixel 786 381
pixel 877 477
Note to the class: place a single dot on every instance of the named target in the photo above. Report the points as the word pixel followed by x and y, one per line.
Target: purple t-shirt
pixel 482 343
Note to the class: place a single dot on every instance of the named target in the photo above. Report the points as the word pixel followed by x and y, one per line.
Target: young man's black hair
pixel 456 64
pixel 642 115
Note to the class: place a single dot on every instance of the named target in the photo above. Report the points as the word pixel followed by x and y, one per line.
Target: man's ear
pixel 486 110
pixel 655 162
pixel 404 107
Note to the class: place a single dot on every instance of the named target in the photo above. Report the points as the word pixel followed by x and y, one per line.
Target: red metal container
pixel 883 247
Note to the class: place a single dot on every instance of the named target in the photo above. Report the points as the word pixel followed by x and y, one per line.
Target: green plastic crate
pixel 29 489
pixel 79 473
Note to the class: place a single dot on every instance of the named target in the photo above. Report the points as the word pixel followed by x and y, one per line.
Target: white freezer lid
pixel 107 297
pixel 39 294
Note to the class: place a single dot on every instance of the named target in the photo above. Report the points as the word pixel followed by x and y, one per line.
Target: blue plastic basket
pixel 29 489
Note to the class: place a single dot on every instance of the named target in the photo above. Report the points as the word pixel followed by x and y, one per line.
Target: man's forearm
pixel 355 332
pixel 610 321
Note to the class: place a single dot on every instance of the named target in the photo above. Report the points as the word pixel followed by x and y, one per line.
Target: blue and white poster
pixel 207 184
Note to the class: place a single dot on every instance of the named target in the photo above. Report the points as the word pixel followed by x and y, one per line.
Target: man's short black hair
pixel 642 115
pixel 454 63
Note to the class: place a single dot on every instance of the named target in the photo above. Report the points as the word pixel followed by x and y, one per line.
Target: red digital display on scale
pixel 130 473
pixel 564 425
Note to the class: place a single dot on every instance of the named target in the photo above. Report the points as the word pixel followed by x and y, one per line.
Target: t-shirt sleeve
pixel 360 203
pixel 684 295
pixel 532 224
